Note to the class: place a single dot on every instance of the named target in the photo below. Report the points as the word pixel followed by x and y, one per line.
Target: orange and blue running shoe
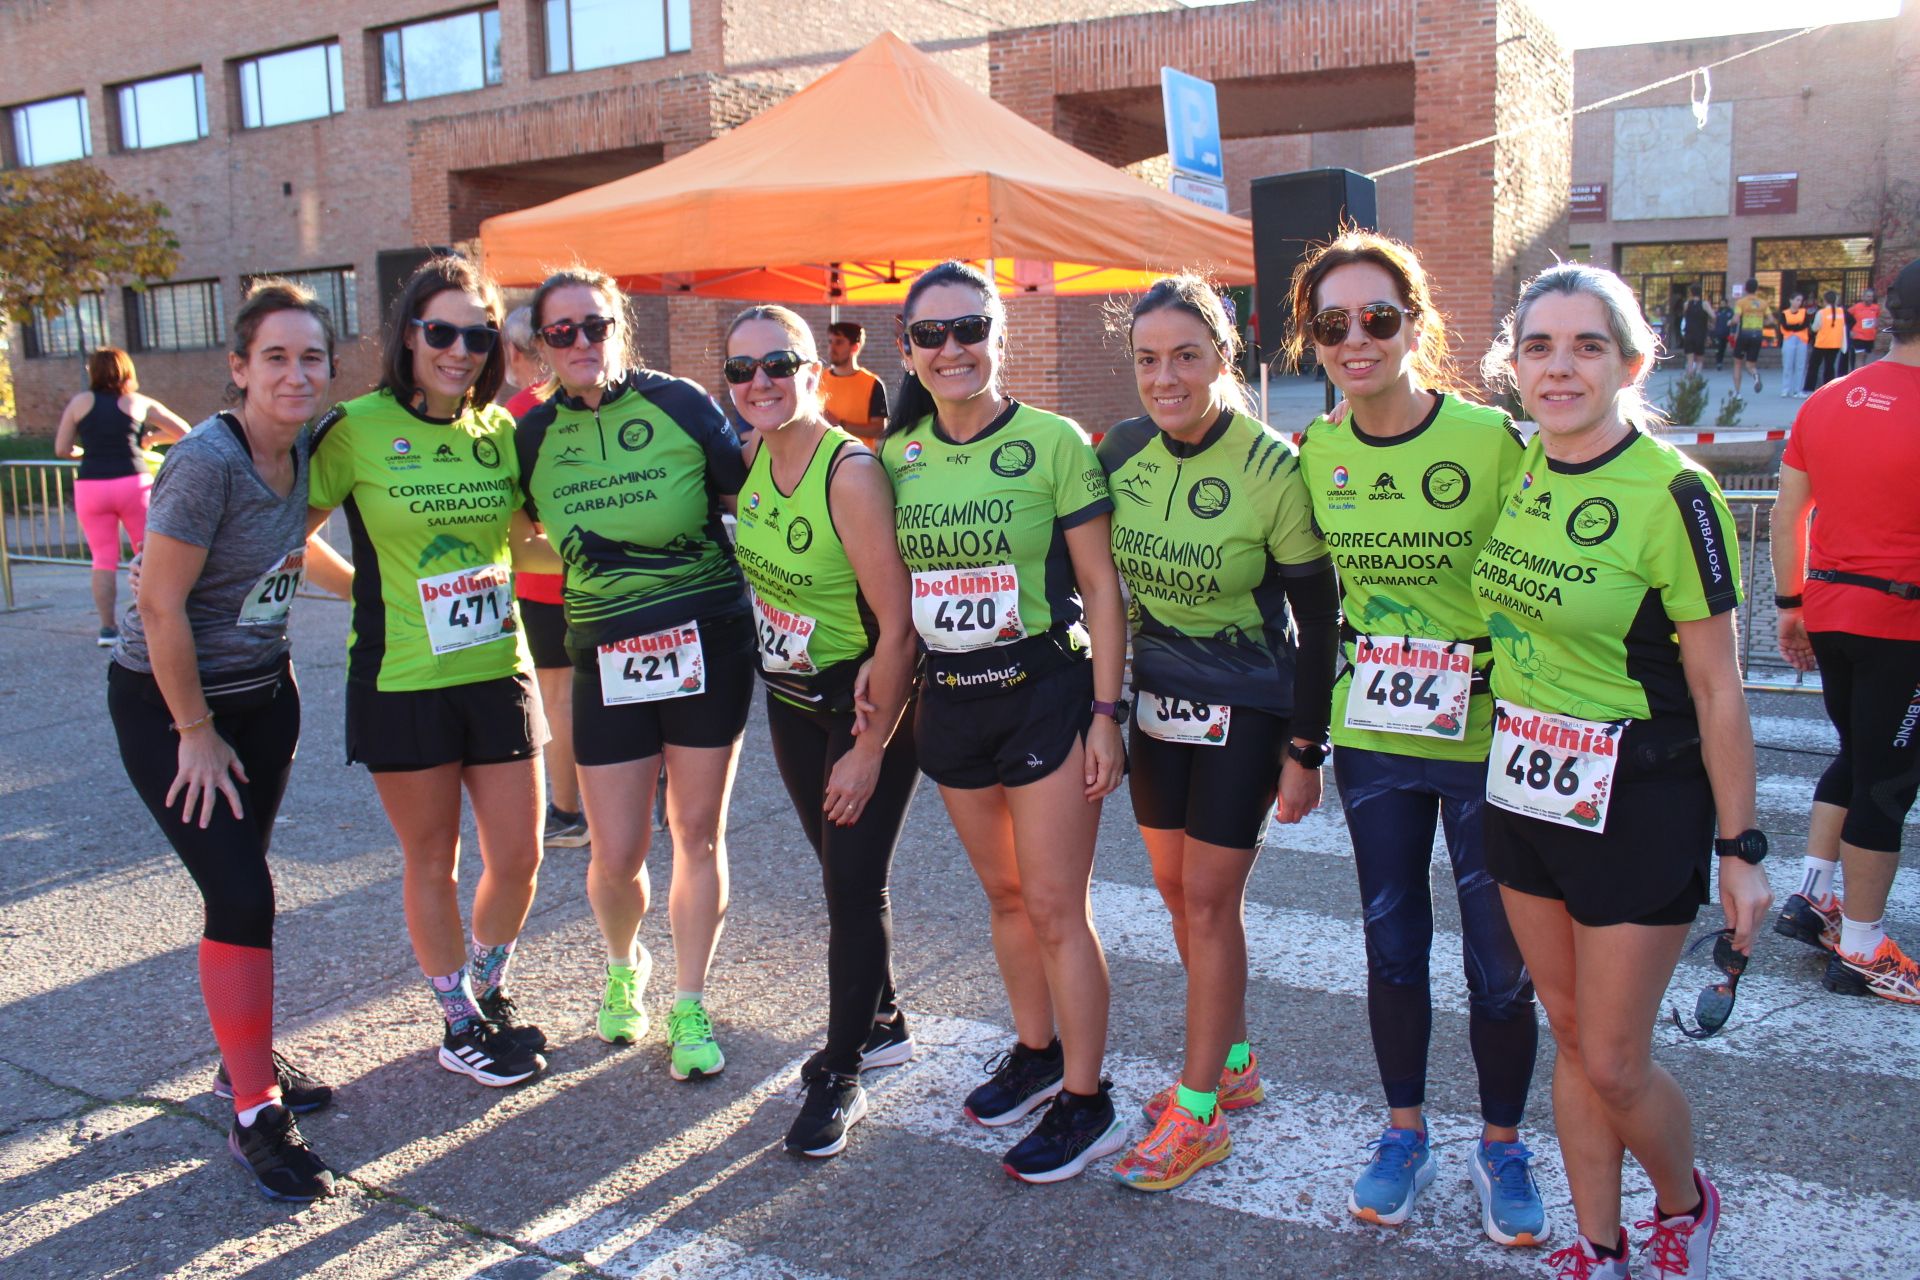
pixel 1237 1089
pixel 1889 974
pixel 1179 1147
pixel 1815 923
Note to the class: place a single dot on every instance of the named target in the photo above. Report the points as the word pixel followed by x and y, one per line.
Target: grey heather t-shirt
pixel 208 494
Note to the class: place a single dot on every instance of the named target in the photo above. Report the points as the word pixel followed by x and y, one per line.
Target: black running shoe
pixel 888 1045
pixel 1815 923
pixel 1020 1080
pixel 1074 1133
pixel 480 1050
pixel 281 1162
pixel 834 1105
pixel 299 1092
pixel 497 1007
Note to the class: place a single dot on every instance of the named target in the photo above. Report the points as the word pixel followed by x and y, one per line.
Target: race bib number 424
pixel 956 610
pixel 1558 769
pixel 783 637
pixel 467 607
pixel 664 664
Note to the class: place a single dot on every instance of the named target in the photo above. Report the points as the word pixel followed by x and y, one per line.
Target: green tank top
pixel 1205 536
pixel 812 623
pixel 428 504
pixel 1404 516
pixel 1589 566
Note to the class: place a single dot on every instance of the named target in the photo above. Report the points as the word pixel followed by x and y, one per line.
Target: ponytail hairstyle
pixel 801 337
pixel 1432 361
pixel 1195 295
pixel 440 274
pixel 913 401
pixel 621 353
pixel 1632 336
pixel 265 296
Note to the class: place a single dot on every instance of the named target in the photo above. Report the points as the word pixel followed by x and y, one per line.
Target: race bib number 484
pixel 467 607
pixel 664 664
pixel 1418 687
pixel 1558 769
pixel 956 610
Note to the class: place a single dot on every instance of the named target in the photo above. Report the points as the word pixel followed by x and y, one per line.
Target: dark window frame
pixel 143 307
pixel 19 157
pixel 341 298
pixel 335 59
pixel 33 335
pixel 492 70
pixel 121 103
pixel 676 34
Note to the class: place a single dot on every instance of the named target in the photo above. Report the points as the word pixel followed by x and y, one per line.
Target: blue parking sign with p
pixel 1193 124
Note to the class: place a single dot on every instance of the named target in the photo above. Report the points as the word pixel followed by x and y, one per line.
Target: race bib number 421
pixel 1558 769
pixel 664 664
pixel 467 607
pixel 1409 686
pixel 956 610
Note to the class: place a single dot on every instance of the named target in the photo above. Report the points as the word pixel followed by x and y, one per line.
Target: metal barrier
pixel 39 524
pixel 1759 602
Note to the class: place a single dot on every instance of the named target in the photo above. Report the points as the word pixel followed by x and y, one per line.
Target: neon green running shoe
pixel 694 1052
pixel 622 1020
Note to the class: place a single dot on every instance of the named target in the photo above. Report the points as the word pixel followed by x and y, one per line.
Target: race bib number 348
pixel 467 607
pixel 956 610
pixel 664 664
pixel 1558 769
pixel 1200 724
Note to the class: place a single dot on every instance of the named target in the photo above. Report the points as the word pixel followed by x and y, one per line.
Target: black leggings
pixel 1872 690
pixel 228 860
pixel 855 862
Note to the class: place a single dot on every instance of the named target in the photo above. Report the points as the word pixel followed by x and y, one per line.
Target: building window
pixel 584 34
pixel 163 111
pixel 1811 265
pixel 51 131
pixel 71 331
pixel 442 55
pixel 332 286
pixel 176 317
pixel 299 84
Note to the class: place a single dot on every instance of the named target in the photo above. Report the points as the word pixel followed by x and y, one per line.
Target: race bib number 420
pixel 1558 769
pixel 1200 724
pixel 665 664
pixel 467 607
pixel 1417 687
pixel 269 599
pixel 955 610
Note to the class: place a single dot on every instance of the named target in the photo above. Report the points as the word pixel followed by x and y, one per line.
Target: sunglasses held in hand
pixel 1714 1005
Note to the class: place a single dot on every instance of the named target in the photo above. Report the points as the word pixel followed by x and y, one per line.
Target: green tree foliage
pixel 67 230
pixel 1686 400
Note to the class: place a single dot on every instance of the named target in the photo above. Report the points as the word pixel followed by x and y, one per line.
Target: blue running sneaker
pixel 1510 1208
pixel 1400 1170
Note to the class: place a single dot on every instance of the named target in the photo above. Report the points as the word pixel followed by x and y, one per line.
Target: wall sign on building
pixel 1767 193
pixel 1208 195
pixel 1588 202
pixel 1193 124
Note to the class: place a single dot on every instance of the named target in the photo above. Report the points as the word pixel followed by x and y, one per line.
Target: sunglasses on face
pixel 968 331
pixel 739 370
pixel 1715 1004
pixel 439 335
pixel 1380 320
pixel 562 334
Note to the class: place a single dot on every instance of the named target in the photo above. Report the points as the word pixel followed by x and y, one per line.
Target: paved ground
pixel 111 1152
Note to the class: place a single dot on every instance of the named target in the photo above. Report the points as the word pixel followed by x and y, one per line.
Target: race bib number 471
pixel 467 607
pixel 956 610
pixel 1558 769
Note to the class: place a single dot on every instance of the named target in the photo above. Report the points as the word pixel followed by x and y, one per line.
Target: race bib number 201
pixel 269 599
pixel 664 664
pixel 1558 769
pixel 467 607
pixel 956 610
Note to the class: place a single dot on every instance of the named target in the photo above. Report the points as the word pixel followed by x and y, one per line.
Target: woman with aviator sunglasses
pixel 1405 489
pixel 440 693
pixel 1002 514
pixel 830 601
pixel 627 471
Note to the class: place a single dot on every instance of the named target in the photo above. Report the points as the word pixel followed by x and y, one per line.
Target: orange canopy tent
pixel 773 212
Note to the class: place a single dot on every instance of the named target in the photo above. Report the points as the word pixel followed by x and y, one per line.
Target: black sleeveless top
pixel 111 440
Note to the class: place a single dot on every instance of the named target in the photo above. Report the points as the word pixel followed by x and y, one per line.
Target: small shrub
pixel 1730 410
pixel 1686 400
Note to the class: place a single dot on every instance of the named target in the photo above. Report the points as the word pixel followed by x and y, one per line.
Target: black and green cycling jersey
pixel 629 493
pixel 982 528
pixel 1205 536
pixel 428 505
pixel 812 624
pixel 1404 516
pixel 1588 569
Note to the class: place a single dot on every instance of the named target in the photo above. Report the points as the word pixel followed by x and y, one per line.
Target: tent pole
pixel 1264 415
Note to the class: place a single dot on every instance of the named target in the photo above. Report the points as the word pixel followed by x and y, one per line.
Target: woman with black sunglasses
pixel 440 693
pixel 1002 515
pixel 628 471
pixel 830 600
pixel 1406 488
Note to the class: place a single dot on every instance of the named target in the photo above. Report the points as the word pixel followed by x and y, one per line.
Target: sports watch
pixel 1311 756
pixel 1749 846
pixel 1119 712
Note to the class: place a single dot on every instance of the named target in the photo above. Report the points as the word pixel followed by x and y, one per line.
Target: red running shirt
pixel 1858 440
pixel 541 588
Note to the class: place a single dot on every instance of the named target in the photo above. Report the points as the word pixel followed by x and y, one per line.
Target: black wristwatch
pixel 1749 846
pixel 1119 712
pixel 1786 602
pixel 1311 756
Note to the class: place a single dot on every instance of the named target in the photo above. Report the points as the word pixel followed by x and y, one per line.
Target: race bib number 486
pixel 955 610
pixel 467 607
pixel 1558 769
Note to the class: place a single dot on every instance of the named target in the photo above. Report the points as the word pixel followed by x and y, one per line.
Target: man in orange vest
pixel 855 398
pixel 1866 329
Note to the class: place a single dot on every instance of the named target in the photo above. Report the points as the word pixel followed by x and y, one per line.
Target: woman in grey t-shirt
pixel 204 703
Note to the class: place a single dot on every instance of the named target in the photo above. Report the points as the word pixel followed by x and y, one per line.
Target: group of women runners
pixel 1529 642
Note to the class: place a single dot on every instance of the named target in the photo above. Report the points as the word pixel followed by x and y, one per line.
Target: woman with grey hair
pixel 1620 737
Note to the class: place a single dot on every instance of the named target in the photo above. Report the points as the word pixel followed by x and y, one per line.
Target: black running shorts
pixel 715 717
pixel 486 722
pixel 1222 794
pixel 546 630
pixel 1006 739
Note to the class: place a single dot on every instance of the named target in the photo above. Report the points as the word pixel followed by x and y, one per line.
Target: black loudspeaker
pixel 1292 212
